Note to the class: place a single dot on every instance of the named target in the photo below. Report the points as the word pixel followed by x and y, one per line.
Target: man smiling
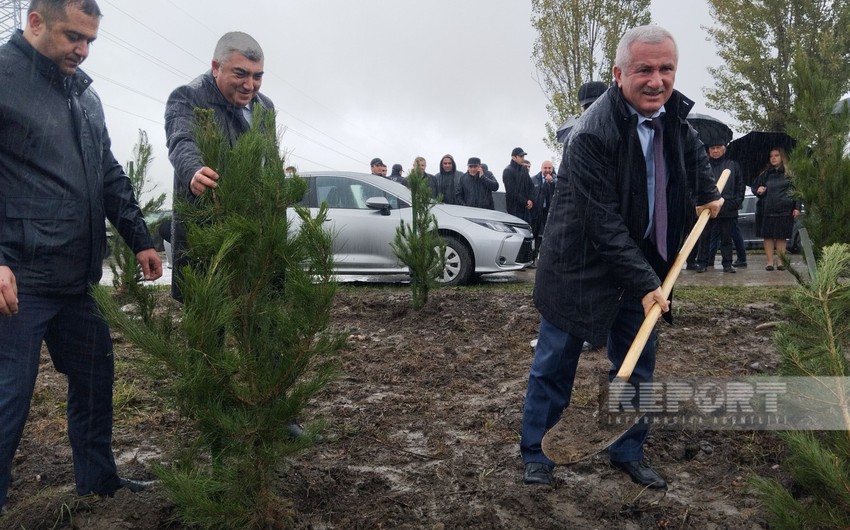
pixel 633 167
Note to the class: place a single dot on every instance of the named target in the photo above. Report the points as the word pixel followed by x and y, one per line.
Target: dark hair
pixel 54 10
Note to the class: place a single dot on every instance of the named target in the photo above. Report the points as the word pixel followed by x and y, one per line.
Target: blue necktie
pixel 659 234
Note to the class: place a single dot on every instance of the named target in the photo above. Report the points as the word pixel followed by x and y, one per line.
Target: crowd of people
pixel 632 174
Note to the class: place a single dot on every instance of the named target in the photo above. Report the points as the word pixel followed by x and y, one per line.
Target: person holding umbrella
pixel 776 208
pixel 733 195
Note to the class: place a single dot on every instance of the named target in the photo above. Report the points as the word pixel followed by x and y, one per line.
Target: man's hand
pixel 8 292
pixel 653 297
pixel 529 205
pixel 151 263
pixel 202 179
pixel 713 207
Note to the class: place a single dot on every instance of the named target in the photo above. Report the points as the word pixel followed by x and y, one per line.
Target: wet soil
pixel 422 428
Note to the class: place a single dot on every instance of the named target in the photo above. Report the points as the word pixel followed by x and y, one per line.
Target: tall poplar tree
pixel 577 42
pixel 758 41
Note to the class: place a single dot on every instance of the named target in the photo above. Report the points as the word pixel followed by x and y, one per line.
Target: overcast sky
pixel 355 80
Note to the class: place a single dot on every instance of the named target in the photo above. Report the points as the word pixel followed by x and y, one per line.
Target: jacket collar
pixel 678 105
pixel 79 80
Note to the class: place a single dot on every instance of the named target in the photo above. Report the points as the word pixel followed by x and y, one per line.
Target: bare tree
pixel 576 42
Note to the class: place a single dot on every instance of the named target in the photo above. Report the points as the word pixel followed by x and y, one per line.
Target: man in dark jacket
pixel 58 183
pixel 543 187
pixel 476 187
pixel 724 224
pixel 396 176
pixel 444 183
pixel 517 183
pixel 611 236
pixel 231 89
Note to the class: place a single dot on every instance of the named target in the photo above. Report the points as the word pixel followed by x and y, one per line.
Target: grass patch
pixel 731 295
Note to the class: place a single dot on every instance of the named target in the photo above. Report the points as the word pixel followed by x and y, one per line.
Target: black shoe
pixel 729 268
pixel 642 474
pixel 700 268
pixel 739 263
pixel 536 473
pixel 135 486
pixel 293 430
pixel 691 267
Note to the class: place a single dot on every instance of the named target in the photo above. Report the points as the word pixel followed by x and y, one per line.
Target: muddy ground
pixel 422 428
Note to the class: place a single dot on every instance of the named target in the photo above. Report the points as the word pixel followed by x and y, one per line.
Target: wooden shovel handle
pixel 655 311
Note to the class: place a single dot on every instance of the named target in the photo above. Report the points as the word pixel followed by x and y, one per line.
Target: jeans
pixel 80 347
pixel 553 370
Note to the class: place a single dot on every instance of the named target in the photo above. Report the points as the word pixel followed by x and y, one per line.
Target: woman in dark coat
pixel 776 208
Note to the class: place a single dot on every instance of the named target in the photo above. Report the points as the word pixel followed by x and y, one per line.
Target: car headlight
pixel 493 225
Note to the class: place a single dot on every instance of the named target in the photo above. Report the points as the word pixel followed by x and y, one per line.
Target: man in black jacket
pixel 724 224
pixel 476 186
pixel 445 182
pixel 543 187
pixel 231 89
pixel 614 227
pixel 518 186
pixel 58 183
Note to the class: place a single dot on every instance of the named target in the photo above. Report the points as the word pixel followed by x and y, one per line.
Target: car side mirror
pixel 379 203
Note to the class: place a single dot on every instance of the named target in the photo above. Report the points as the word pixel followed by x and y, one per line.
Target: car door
pixel 362 235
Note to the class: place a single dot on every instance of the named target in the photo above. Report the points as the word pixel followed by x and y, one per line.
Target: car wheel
pixel 459 266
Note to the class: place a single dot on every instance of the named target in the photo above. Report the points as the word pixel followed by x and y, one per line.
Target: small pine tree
pixel 820 165
pixel 419 245
pixel 255 341
pixel 812 343
pixel 126 272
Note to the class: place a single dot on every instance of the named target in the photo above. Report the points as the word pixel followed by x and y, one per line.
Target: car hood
pixel 467 212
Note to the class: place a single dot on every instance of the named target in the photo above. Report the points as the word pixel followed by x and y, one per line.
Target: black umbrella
pixel 563 131
pixel 752 150
pixel 711 130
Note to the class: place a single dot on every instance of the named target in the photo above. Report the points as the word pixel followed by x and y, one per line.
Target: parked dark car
pixel 747 224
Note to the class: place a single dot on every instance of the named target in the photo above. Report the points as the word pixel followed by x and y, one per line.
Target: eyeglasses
pixel 474 165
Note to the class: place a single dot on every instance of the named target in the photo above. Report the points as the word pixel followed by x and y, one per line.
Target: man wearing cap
pixel 476 187
pixel 375 167
pixel 635 168
pixel 395 176
pixel 587 94
pixel 724 223
pixel 518 186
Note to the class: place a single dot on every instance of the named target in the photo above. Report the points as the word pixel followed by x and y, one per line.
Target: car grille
pixel 525 252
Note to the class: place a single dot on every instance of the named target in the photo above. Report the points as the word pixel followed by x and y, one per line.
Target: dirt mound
pixel 422 429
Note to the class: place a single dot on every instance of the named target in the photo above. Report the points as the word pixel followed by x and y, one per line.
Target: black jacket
pixel 58 178
pixel 541 195
pixel 733 192
pixel 594 249
pixel 444 184
pixel 517 190
pixel 778 197
pixel 477 191
pixel 183 152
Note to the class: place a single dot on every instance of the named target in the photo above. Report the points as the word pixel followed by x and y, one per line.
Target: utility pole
pixel 10 17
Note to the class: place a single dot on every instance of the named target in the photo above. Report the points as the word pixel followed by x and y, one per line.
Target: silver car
pixel 365 210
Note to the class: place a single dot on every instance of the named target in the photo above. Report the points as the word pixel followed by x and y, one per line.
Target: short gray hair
pixel 237 41
pixel 650 34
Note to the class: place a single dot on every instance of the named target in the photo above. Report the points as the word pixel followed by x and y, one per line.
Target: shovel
pixel 574 437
